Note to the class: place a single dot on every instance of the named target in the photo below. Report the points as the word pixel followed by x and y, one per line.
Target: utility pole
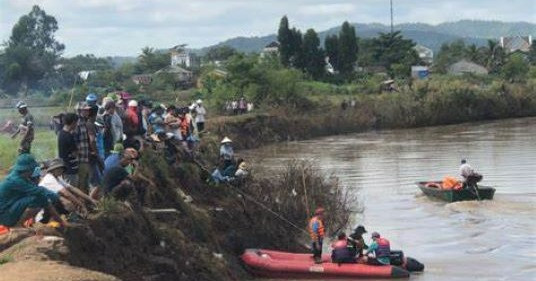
pixel 392 28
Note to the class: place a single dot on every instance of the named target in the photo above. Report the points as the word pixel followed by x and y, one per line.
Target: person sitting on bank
pixel 226 152
pixel 357 242
pixel 21 198
pixel 71 199
pixel 342 251
pixel 470 177
pixel 118 182
pixel 316 231
pixel 379 251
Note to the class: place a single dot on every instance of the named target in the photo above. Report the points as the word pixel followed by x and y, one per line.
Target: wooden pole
pixel 305 194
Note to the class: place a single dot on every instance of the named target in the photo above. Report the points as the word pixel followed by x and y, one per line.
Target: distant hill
pixel 118 61
pixel 432 36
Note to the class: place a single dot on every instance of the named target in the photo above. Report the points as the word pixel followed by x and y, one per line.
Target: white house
pixel 180 56
pixel 271 49
pixel 516 43
pixel 425 54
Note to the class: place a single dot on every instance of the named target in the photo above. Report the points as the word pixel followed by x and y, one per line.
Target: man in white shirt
pixel 470 177
pixel 200 116
pixel 466 170
pixel 71 198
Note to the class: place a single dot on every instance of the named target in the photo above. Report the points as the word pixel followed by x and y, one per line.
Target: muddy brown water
pixel 489 240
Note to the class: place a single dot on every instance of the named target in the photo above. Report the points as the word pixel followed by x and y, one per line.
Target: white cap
pixel 226 140
pixel 21 104
pixel 133 103
pixel 199 101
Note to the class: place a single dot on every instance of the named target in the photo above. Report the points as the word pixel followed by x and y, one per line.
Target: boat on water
pixel 433 189
pixel 276 264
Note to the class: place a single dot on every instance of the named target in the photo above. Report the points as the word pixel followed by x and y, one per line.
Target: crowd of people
pixel 98 148
pixel 238 107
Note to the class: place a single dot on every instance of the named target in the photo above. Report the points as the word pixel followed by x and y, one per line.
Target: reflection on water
pixel 491 240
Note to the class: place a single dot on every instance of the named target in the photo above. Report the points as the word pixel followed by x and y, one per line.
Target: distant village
pixel 183 60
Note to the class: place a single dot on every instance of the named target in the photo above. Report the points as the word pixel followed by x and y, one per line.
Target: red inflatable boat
pixel 275 264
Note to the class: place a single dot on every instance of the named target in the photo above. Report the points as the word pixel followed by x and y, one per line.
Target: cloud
pixel 327 9
pixel 123 27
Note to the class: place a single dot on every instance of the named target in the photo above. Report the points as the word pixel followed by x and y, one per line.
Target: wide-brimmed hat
pixel 25 162
pixel 55 164
pixel 226 140
pixel 118 148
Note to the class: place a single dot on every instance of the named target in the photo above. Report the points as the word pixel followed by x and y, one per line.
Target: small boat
pixel 433 189
pixel 276 264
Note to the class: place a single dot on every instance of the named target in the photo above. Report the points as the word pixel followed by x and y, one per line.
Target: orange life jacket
pixel 451 183
pixel 316 228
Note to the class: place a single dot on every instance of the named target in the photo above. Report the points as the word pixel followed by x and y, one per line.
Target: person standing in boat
pixel 379 252
pixel 316 231
pixel 470 177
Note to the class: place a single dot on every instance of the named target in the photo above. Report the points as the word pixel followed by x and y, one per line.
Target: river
pixel 489 240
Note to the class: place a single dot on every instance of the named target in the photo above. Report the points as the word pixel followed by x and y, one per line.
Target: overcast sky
pixel 123 27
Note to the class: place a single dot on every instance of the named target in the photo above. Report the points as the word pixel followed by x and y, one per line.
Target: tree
pixel 331 43
pixel 284 36
pixel 70 67
pixel 313 55
pixel 495 55
pixel 516 68
pixel 151 61
pixel 391 48
pixel 532 53
pixel 32 50
pixel 220 53
pixel 347 49
pixel 296 58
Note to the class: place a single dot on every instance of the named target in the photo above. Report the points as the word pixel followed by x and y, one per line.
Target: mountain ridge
pixel 429 35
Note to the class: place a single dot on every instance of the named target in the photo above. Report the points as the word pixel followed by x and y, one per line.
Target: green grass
pixel 42 115
pixel 44 147
pixel 5 259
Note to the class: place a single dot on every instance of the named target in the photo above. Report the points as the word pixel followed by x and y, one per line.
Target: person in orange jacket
pixel 316 231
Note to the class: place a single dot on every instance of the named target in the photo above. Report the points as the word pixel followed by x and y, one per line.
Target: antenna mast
pixel 392 28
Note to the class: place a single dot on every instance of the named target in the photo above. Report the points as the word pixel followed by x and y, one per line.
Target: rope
pixel 252 199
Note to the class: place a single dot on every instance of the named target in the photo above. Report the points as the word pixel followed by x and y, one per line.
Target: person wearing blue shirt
pixel 379 251
pixel 21 198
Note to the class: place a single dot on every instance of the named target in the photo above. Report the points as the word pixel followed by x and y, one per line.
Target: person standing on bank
pixel 200 116
pixel 67 150
pixel 26 128
pixel 316 231
pixel 81 137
